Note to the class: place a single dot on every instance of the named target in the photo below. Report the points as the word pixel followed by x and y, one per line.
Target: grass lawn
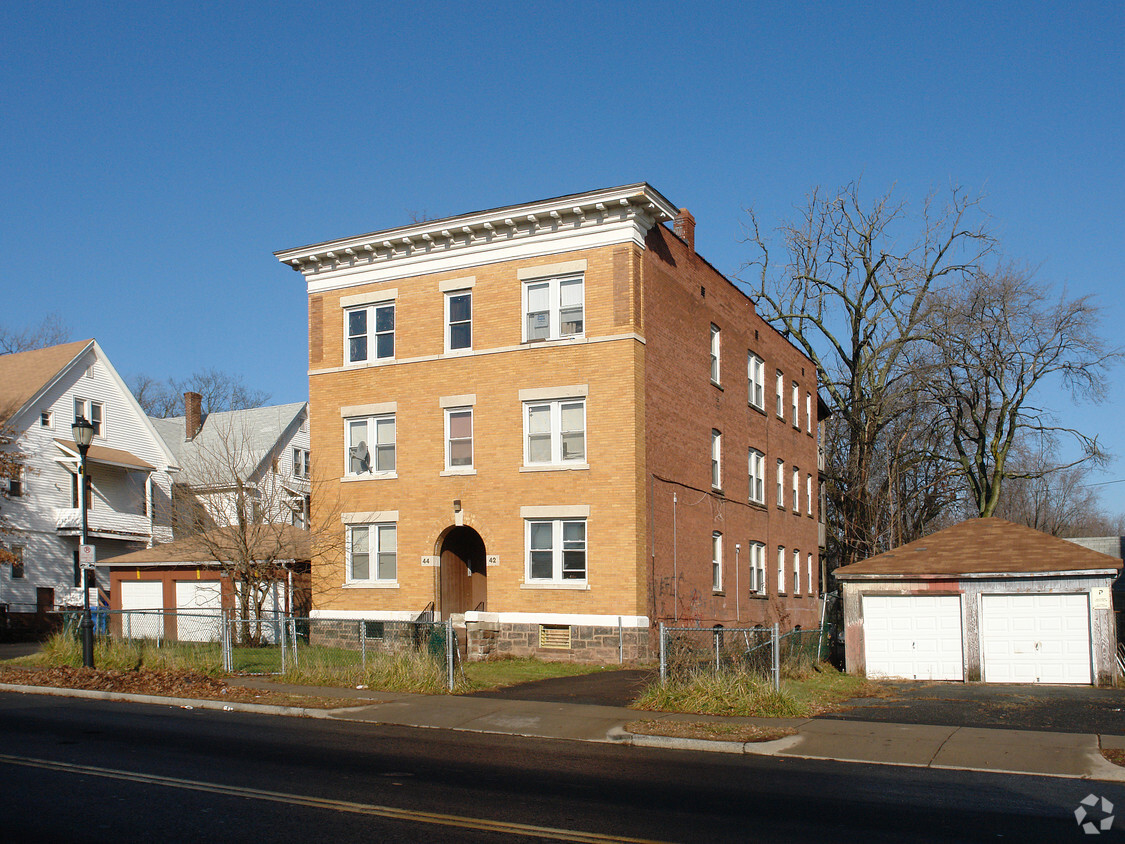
pixel 730 693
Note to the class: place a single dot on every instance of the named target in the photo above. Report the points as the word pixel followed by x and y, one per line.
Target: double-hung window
pixel 755 377
pixel 715 346
pixel 555 432
pixel 796 572
pixel 808 413
pixel 796 403
pixel 808 575
pixel 757 567
pixel 796 490
pixel 780 394
pixel 371 332
pixel 780 568
pixel 780 483
pixel 458 438
pixel 716 459
pixel 373 553
pixel 93 411
pixel 301 465
pixel 556 550
pixel 458 320
pixel 371 445
pixel 757 476
pixel 716 562
pixel 808 494
pixel 554 307
pixel 18 571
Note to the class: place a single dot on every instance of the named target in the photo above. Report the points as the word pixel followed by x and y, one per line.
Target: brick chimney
pixel 684 227
pixel 193 414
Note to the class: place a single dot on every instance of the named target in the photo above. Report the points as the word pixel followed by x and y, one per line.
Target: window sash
pixel 780 568
pixel 554 308
pixel 755 375
pixel 716 460
pixel 780 483
pixel 376 321
pixel 556 550
pixel 757 476
pixel 371 445
pixel 808 574
pixel 459 438
pixel 715 350
pixel 373 552
pixel 459 320
pixel 92 411
pixel 554 432
pixel 796 571
pixel 716 562
pixel 780 395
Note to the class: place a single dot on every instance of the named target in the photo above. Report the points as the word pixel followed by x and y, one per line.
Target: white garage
pixel 200 606
pixel 145 599
pixel 984 600
pixel 916 637
pixel 1035 638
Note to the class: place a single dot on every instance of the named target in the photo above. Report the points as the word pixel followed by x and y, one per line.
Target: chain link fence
pixel 761 651
pixel 317 650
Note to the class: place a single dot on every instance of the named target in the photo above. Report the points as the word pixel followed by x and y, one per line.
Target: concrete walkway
pixel 926 746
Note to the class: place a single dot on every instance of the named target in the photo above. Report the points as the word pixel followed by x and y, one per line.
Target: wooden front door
pixel 463 580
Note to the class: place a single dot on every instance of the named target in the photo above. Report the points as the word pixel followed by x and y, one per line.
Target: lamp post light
pixel 83 431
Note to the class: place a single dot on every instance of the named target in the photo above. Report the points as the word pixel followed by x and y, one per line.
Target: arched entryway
pixel 464 586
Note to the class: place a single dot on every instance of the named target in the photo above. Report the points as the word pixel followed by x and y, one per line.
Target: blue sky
pixel 155 155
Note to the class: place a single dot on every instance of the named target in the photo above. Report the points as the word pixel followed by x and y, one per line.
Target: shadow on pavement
pixel 602 688
pixel 1062 709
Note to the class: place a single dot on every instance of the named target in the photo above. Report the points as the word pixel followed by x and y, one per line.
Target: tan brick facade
pixel 641 365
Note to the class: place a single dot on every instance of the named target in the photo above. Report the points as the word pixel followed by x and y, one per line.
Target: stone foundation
pixel 587 644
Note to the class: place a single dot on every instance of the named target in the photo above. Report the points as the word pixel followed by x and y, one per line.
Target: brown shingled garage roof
pixel 981 546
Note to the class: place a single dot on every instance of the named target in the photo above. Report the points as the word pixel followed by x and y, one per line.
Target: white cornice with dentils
pixel 580 221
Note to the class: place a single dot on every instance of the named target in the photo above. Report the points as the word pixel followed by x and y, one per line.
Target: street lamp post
pixel 83 431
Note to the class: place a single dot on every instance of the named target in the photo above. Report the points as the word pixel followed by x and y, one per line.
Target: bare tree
pixel 852 293
pixel 997 343
pixel 220 391
pixel 51 331
pixel 249 517
pixel 12 471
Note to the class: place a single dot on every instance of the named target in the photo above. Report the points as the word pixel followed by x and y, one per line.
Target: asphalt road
pixel 89 771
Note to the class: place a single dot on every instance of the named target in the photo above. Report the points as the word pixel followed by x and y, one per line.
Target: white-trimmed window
pixel 780 394
pixel 716 562
pixel 301 463
pixel 755 377
pixel 716 459
pixel 371 332
pixel 757 476
pixel 18 571
pixel 808 413
pixel 796 572
pixel 808 575
pixel 373 553
pixel 554 432
pixel 13 484
pixel 780 483
pixel 46 419
pixel 780 569
pixel 808 494
pixel 796 490
pixel 458 320
pixel 458 438
pixel 757 568
pixel 796 405
pixel 556 550
pixel 94 411
pixel 715 347
pixel 371 445
pixel 554 307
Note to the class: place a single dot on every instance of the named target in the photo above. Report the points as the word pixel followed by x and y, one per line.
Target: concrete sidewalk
pixel 924 746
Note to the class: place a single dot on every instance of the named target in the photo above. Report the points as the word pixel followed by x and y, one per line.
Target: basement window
pixel 554 636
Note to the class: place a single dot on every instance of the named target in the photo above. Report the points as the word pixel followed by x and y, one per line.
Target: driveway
pixel 1062 709
pixel 602 688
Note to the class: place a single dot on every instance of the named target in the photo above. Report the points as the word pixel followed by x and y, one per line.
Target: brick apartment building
pixel 558 425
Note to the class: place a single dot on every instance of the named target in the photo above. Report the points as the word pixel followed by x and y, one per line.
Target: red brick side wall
pixel 684 296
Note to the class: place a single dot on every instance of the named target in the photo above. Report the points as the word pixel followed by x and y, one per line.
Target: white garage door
pixel 1035 638
pixel 142 599
pixel 914 637
pixel 200 606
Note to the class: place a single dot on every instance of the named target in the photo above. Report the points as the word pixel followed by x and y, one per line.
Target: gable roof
pixel 245 438
pixel 285 542
pixel 24 375
pixel 981 546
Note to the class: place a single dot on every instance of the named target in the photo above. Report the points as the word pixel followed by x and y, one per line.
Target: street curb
pixel 1102 769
